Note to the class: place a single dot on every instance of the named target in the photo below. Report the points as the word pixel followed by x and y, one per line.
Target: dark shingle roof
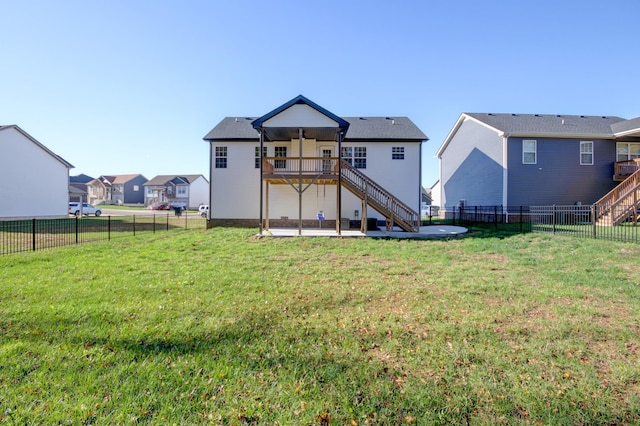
pixel 542 124
pixel 626 125
pixel 360 128
pixel 176 179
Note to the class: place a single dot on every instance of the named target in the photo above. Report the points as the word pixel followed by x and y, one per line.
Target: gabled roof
pixel 81 178
pixel 108 180
pixel 298 100
pixel 32 139
pixel 356 128
pixel 546 125
pixel 175 179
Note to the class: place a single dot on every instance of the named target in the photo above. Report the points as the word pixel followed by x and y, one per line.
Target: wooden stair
pixel 621 203
pixel 395 211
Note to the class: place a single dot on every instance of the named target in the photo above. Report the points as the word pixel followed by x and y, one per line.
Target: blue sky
pixel 119 87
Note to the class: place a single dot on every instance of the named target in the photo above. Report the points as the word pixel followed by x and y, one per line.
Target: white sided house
pixel 35 181
pixel 189 191
pixel 302 166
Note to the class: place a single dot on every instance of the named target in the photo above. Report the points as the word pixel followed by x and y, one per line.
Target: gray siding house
pixel 535 159
pixel 117 189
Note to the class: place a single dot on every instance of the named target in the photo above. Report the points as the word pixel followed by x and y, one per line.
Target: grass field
pixel 220 327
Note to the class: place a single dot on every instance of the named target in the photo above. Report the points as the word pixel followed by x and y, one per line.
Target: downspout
pixel 339 189
pixel 505 172
pixel 261 184
pixel 210 181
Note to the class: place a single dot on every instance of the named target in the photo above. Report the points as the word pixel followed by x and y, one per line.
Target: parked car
pixel 87 209
pixel 203 210
pixel 160 206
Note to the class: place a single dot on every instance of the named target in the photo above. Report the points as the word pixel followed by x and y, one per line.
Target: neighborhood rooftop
pixel 558 124
pixel 360 128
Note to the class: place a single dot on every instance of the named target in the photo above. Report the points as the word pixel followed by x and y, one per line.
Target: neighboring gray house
pixel 117 189
pixel 78 187
pixel 535 159
pixel 189 191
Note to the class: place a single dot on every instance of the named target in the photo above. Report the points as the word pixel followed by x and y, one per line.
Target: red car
pixel 160 206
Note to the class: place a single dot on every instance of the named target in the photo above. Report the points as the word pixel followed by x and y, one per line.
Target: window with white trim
pixel 586 153
pixel 627 151
pixel 356 156
pixel 257 154
pixel 221 157
pixel 397 153
pixel 529 151
pixel 181 190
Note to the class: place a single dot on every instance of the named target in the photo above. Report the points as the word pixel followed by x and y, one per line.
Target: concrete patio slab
pixel 426 232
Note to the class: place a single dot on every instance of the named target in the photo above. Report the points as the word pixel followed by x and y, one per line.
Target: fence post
pixel 495 217
pixel 33 234
pixel 553 219
pixel 521 220
pixel 134 225
pixel 594 211
pixel 77 224
pixel 109 228
pixel 167 221
pixel 154 223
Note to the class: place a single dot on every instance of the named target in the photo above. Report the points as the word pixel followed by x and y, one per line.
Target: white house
pixel 187 190
pixel 34 182
pixel 307 154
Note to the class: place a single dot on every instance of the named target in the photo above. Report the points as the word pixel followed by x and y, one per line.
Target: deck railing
pixel 624 169
pixel 396 211
pixel 296 165
pixel 621 202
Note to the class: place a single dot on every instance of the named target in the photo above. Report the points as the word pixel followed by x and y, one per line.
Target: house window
pixel 264 154
pixel 529 152
pixel 586 153
pixel 347 154
pixel 136 188
pixel 221 157
pixel 356 156
pixel 397 153
pixel 627 151
pixel 360 157
pixel 181 190
pixel 280 151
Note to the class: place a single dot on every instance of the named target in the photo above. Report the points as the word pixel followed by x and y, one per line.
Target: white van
pixel 203 210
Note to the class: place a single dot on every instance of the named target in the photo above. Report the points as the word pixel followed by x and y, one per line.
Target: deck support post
pixel 266 208
pixel 300 182
pixel 262 182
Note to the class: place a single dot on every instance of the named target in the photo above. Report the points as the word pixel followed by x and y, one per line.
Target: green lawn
pixel 220 327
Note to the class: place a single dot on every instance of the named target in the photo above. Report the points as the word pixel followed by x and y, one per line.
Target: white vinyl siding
pixel 586 153
pixel 529 152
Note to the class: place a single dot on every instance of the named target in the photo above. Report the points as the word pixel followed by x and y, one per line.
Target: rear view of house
pixel 536 159
pixel 289 168
pixel 35 181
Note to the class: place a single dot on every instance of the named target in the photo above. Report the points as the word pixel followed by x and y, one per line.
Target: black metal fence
pixel 515 219
pixel 39 234
pixel 618 222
